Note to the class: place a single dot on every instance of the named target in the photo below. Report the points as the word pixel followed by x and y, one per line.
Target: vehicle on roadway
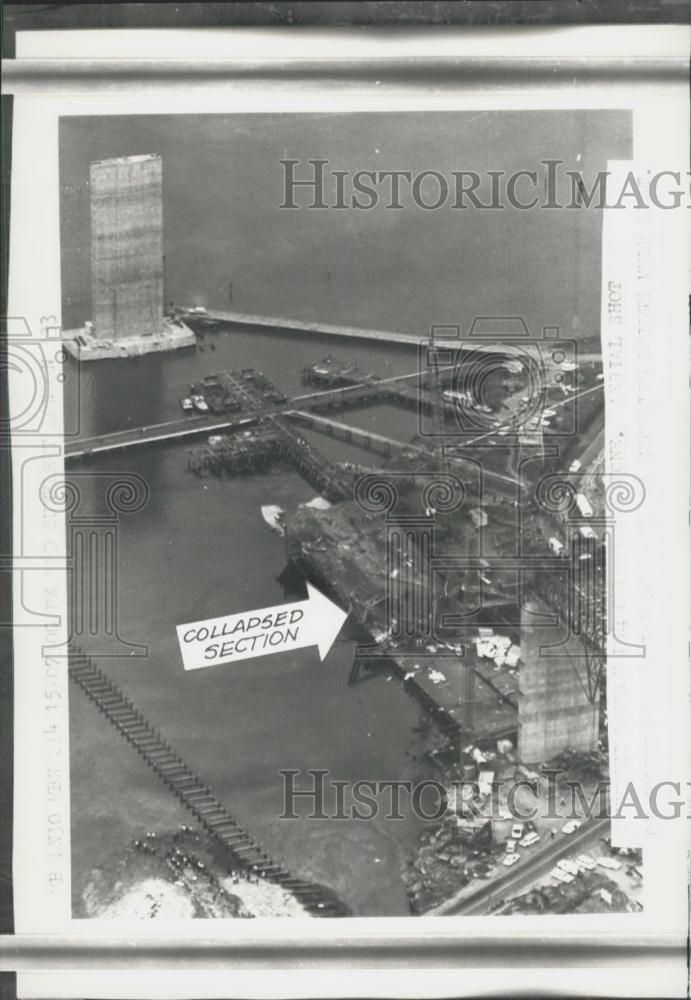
pixel 567 865
pixel 575 465
pixel 555 546
pixel 584 506
pixel 609 863
pixel 462 398
pixel 200 403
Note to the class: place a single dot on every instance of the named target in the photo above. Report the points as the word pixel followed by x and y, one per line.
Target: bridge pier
pixel 556 709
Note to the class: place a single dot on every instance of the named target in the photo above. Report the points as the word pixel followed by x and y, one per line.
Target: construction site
pixel 483 599
pixel 487 606
pixel 469 555
pixel 448 567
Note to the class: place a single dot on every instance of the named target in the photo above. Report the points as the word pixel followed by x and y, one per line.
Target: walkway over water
pixel 277 324
pixel 183 429
pixel 402 387
pixel 243 851
pixel 282 325
pixel 380 444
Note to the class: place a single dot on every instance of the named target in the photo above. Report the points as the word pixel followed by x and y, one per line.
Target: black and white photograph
pixel 348 441
pixel 292 363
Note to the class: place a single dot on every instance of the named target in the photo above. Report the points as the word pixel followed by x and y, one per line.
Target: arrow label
pixel 314 622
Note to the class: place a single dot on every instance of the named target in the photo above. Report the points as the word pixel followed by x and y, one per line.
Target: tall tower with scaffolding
pixel 127 314
pixel 127 247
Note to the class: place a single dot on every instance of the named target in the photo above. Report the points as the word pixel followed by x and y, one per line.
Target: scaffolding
pixel 126 247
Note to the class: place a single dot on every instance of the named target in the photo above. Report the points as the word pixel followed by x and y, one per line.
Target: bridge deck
pixel 379 443
pixel 174 430
pixel 279 324
pixel 382 445
pixel 186 428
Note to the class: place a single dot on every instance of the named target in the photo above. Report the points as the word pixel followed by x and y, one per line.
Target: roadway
pixel 278 324
pixel 186 428
pixel 510 424
pixel 537 864
pixel 390 383
pixel 137 437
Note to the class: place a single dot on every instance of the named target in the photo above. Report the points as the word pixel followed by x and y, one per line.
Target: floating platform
pixel 83 345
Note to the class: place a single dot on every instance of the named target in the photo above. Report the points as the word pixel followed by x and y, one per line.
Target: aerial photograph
pixel 338 524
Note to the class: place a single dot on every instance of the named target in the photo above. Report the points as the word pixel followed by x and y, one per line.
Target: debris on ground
pixel 180 874
pixel 577 765
pixel 589 892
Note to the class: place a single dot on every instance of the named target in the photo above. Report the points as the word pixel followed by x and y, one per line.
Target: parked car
pixel 517 831
pixel 609 863
pixel 567 865
pixel 561 876
pixel 529 839
pixel 571 826
pixel 585 508
pixel 556 547
pixel 510 859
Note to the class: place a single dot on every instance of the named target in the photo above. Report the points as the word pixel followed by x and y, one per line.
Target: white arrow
pixel 314 622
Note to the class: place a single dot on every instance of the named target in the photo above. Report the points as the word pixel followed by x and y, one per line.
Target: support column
pixel 556 709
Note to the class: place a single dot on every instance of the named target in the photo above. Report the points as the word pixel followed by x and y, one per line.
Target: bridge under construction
pixel 398 388
pixel 263 429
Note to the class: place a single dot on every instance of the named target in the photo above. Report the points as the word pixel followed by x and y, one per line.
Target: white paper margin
pixel 35 293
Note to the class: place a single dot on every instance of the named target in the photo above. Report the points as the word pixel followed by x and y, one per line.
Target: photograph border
pixel 441 952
